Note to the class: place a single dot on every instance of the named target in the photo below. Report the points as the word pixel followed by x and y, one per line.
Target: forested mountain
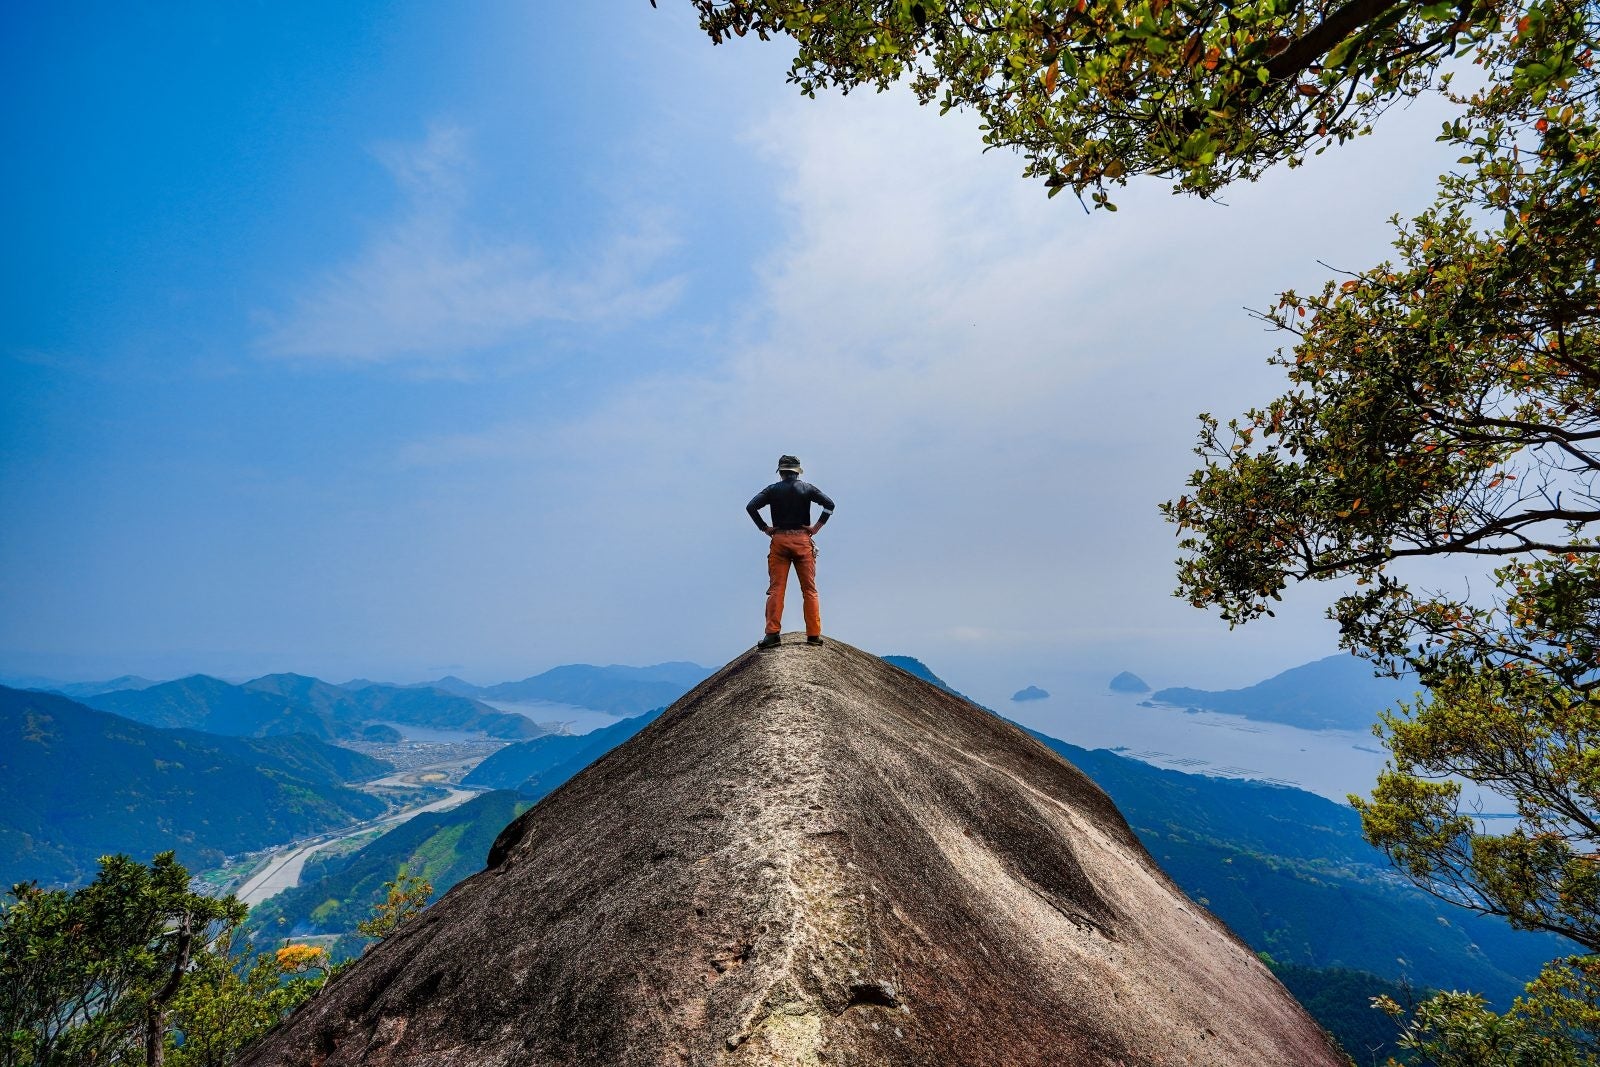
pixel 1341 1001
pixel 200 702
pixel 412 705
pixel 619 690
pixel 76 783
pixel 426 706
pixel 1336 693
pixel 537 768
pixel 292 703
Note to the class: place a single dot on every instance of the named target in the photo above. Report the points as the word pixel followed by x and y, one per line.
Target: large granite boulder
pixel 812 858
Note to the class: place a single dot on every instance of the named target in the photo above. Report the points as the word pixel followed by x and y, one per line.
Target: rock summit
pixel 812 858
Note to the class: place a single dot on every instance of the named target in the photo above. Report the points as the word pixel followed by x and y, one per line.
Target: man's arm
pixel 753 509
pixel 819 497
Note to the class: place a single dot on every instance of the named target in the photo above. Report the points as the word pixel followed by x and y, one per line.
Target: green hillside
pixel 443 847
pixel 76 784
pixel 1341 1001
pixel 537 768
pixel 426 706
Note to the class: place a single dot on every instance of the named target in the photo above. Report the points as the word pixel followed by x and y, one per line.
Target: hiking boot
pixel 768 641
pixel 814 640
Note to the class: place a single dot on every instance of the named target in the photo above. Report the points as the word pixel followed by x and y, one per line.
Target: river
pixel 285 865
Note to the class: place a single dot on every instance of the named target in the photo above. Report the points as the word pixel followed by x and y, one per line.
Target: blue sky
pixel 454 337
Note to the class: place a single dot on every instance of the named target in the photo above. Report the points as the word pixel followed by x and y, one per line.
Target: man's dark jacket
pixel 791 501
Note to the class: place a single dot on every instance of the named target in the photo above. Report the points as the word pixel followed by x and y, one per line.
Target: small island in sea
pixel 1128 682
pixel 1033 692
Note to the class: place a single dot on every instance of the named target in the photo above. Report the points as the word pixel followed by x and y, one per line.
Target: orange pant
pixel 793 546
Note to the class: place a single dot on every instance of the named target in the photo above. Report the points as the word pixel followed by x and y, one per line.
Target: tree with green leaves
pixel 1203 92
pixel 234 994
pixel 404 897
pixel 89 975
pixel 1552 1025
pixel 134 968
pixel 1445 403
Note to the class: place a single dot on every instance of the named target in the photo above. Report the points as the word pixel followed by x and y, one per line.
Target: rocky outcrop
pixel 812 858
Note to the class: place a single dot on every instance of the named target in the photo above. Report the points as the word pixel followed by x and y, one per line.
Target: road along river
pixel 284 865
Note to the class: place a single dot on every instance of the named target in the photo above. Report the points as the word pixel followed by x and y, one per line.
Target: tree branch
pixel 1323 37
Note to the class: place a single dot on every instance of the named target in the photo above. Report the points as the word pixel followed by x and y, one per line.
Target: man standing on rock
pixel 791 531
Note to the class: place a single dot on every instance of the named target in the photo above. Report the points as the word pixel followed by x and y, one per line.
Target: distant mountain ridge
pixel 77 783
pixel 201 702
pixel 617 689
pixel 292 703
pixel 459 686
pixel 1335 693
pixel 79 690
pixel 411 705
pixel 539 767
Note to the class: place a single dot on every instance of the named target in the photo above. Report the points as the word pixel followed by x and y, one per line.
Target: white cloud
pixel 432 287
pixel 998 389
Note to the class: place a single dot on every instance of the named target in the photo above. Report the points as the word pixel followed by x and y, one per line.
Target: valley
pixel 281 868
pixel 428 761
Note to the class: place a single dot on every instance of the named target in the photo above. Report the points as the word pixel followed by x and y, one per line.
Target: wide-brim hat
pixel 789 463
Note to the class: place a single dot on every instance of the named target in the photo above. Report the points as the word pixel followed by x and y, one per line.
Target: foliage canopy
pixel 88 975
pixel 1201 91
pixel 1552 1025
pixel 1448 403
pixel 134 968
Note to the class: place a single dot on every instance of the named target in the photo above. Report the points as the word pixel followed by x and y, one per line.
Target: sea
pixel 1331 763
pixel 557 718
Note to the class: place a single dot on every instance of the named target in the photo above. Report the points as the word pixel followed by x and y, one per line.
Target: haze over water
pixel 1331 763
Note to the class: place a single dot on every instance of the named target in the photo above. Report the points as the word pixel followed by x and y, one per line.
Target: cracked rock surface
pixel 812 858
